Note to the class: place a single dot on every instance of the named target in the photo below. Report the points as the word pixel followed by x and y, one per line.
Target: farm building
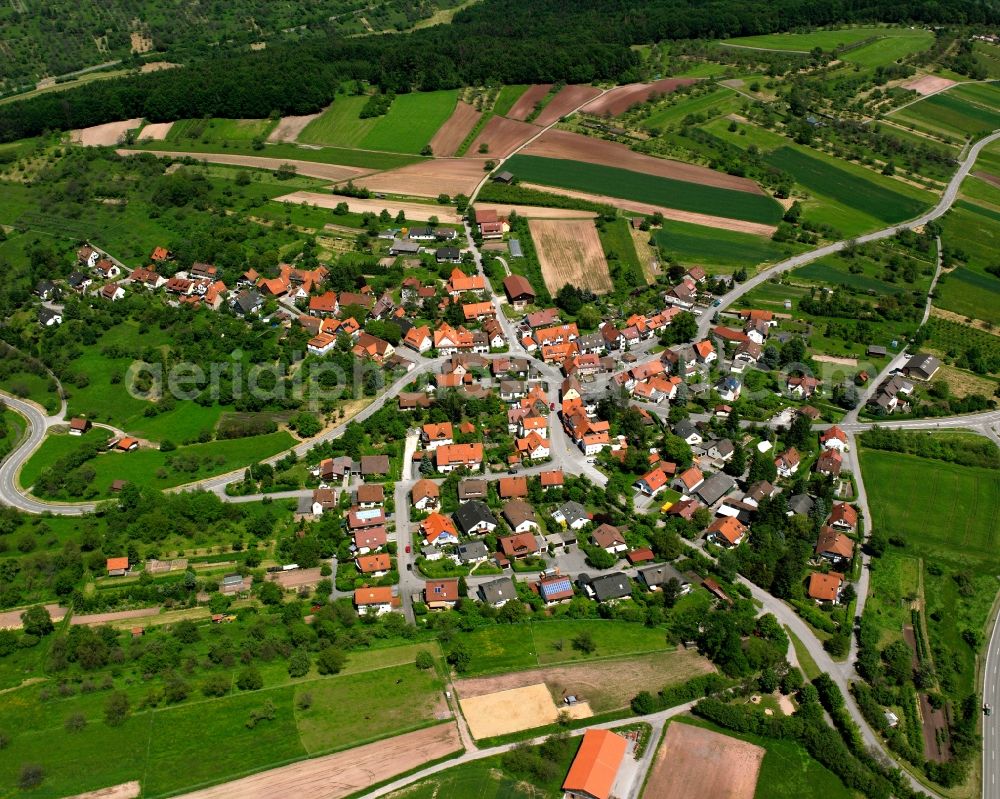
pixel 595 767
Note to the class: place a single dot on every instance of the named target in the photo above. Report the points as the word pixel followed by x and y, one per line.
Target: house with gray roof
pixel 714 488
pixel 498 592
pixel 572 514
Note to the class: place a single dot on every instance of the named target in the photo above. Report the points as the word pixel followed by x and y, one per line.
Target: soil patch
pixel 345 773
pixel 106 135
pixel 526 102
pixel 311 169
pixel 928 84
pixel 570 251
pixel 935 729
pixel 697 762
pixel 296 578
pixel 11 619
pixel 415 212
pixel 156 66
pixel 834 359
pixel 127 790
pixel 569 99
pixel 289 128
pixel 646 254
pixel 429 178
pixel 453 132
pixel 535 212
pixel 589 681
pixel 622 98
pixel 577 147
pixel 739 225
pixel 989 178
pixel 157 131
pixel 106 618
pixel 503 137
pixel 513 710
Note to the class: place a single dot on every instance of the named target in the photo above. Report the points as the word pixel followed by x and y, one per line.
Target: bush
pixel 75 722
pixel 116 711
pixel 249 679
pixel 424 660
pixel 299 664
pixel 31 776
pixel 216 685
pixel 330 660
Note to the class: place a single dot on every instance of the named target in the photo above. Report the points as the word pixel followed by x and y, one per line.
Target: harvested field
pixel 513 710
pixel 503 136
pixel 569 99
pixel 691 217
pixel 987 176
pixel 344 773
pixel 535 212
pixel 107 135
pixel 312 169
pixel 590 681
pixel 570 252
pixel 575 147
pixel 429 178
pixel 11 619
pixel 156 66
pixel 696 762
pixel 296 578
pixel 415 212
pixel 836 360
pixel 526 102
pixel 107 618
pixel 453 132
pixel 622 98
pixel 289 128
pixel 928 84
pixel 645 253
pixel 156 132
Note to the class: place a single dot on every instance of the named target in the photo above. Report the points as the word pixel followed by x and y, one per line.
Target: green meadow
pixel 710 247
pixel 339 125
pixel 411 122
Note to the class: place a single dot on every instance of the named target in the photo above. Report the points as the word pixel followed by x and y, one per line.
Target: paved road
pixel 946 201
pixel 991 723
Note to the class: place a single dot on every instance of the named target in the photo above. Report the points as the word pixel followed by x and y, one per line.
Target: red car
pixel 552 406
pixel 407 549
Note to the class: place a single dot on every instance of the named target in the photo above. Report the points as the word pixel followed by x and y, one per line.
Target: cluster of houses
pixel 892 394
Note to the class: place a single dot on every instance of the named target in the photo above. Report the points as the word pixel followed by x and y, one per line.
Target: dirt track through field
pixel 289 128
pixel 697 762
pixel 449 176
pixel 619 100
pixel 310 169
pixel 11 619
pixel 569 98
pixel 127 790
pixel 345 773
pixel 106 135
pixel 453 132
pixel 570 251
pixel 721 222
pixel 576 147
pixel 526 102
pixel 415 212
pixel 503 137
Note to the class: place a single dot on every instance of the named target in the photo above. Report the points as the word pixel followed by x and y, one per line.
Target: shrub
pixel 424 660
pixel 249 679
pixel 116 711
pixel 31 776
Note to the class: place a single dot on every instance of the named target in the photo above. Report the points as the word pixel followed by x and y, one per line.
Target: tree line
pixel 552 42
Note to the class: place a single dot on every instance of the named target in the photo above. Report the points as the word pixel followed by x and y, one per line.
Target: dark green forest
pixel 509 41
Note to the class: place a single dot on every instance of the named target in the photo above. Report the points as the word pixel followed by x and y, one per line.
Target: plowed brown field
pixel 344 773
pixel 415 212
pixel 429 178
pixel 697 762
pixel 526 102
pixel 570 251
pixel 453 132
pixel 567 100
pixel 620 99
pixel 503 136
pixel 575 147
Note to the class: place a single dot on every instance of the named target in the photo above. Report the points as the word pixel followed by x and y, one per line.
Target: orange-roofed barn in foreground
pixel 595 767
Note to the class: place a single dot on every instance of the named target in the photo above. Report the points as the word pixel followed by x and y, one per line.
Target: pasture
pixel 623 260
pixel 570 252
pixel 853 187
pixel 339 125
pixel 950 522
pixel 828 40
pixel 506 98
pixel 411 122
pixel 718 250
pixel 714 104
pixel 606 180
pixel 968 289
pixel 219 131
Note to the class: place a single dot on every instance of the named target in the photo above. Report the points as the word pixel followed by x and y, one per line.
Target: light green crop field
pixel 969 289
pixel 697 245
pixel 827 39
pixel 951 114
pixel 951 521
pixel 645 188
pixel 717 103
pixel 890 48
pixel 411 122
pixel 507 97
pixel 339 125
pixel 219 130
